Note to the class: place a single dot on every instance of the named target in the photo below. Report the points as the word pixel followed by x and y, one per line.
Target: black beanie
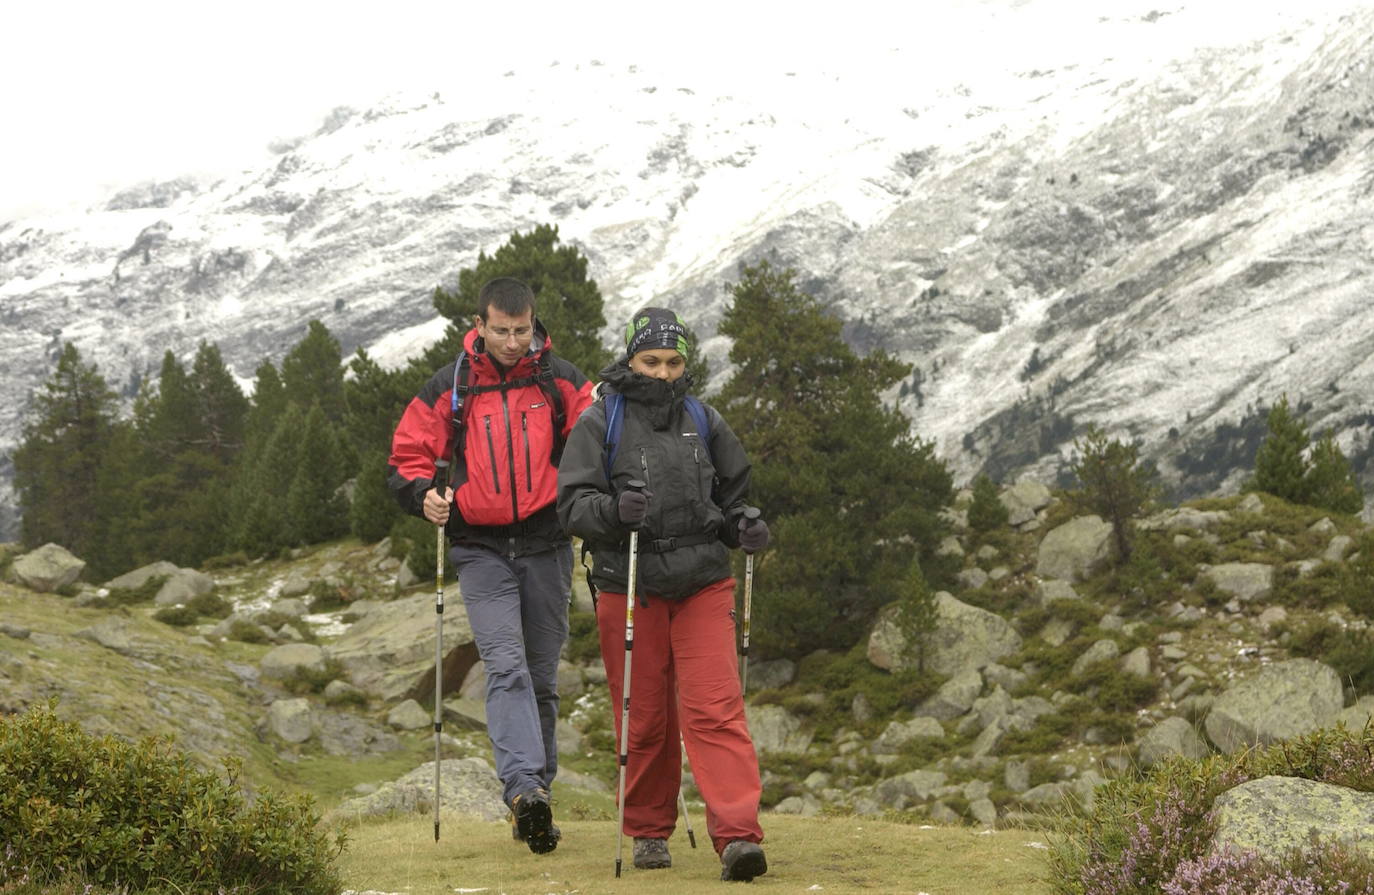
pixel 652 328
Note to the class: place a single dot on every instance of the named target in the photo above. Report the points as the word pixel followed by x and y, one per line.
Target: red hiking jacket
pixel 504 479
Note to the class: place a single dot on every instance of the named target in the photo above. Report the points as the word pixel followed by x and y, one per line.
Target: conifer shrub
pixel 176 616
pixel 225 561
pixel 130 596
pixel 144 816
pixel 304 680
pixel 1153 832
pixel 1350 651
pixel 246 632
pixel 986 512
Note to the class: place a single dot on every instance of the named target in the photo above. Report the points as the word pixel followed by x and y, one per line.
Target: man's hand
pixel 437 506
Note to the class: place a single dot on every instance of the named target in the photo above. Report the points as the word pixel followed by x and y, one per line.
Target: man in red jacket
pixel 514 404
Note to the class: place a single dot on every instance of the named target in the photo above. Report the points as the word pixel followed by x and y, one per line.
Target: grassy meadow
pixel 833 855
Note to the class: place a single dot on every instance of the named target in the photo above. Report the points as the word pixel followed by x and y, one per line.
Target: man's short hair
pixel 507 294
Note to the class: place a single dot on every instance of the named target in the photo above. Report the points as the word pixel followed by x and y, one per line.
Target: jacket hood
pixel 662 399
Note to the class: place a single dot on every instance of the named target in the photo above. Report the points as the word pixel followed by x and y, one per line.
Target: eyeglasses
pixel 501 333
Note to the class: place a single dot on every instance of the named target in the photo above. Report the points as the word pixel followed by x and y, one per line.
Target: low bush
pixel 129 596
pixel 176 616
pixel 143 816
pixel 1153 833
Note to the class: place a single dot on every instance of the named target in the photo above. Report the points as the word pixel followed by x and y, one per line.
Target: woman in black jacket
pixel 685 669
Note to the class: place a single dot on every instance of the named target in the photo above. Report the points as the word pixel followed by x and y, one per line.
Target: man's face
pixel 507 338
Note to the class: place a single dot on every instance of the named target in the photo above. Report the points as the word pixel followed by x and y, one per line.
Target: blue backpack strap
pixel 615 421
pixel 698 414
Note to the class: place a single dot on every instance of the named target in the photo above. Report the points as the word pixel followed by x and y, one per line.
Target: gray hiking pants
pixel 518 610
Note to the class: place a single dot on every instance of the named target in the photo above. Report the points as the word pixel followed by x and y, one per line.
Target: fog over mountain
pixel 1160 233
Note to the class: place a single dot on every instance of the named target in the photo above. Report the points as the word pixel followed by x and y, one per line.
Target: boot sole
pixel 745 867
pixel 534 821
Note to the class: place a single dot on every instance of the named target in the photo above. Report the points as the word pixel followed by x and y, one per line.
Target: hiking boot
pixel 534 820
pixel 652 854
pixel 515 831
pixel 741 861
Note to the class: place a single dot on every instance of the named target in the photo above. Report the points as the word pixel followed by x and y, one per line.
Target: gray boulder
pixel 1183 519
pixel 390 651
pixel 1336 550
pixel 904 789
pixel 1246 581
pixel 775 729
pixel 955 696
pixel 468 787
pixel 290 719
pixel 1075 550
pixel 47 569
pixel 408 715
pixel 1172 736
pixel 898 734
pixel 964 637
pixel 1283 700
pixel 1100 651
pixel 140 576
pixel 182 586
pixel 1052 590
pixel 770 674
pixel 972 578
pixel 283 661
pixel 114 633
pixel 1275 815
pixel 1023 500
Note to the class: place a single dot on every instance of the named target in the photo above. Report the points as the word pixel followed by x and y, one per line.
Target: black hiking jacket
pixel 698 494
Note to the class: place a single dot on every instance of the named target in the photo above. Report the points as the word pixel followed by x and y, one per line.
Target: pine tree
pixel 917 614
pixel 312 372
pixel 374 511
pixel 315 509
pixel 1281 465
pixel 1114 484
pixel 1331 482
pixel 57 467
pixel 222 405
pixel 986 512
pixel 850 495
pixel 566 301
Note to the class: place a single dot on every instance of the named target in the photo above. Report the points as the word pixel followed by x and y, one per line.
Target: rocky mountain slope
pixel 1159 230
pixel 1051 672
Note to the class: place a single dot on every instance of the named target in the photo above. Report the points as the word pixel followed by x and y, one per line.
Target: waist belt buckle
pixel 663 545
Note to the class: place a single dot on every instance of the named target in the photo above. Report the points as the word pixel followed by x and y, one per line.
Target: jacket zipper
pixel 525 435
pixel 510 456
pixel 491 452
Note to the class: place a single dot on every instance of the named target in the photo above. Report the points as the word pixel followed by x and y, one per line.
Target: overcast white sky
pixel 99 94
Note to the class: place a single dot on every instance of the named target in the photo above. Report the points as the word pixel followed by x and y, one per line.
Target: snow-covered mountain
pixel 1160 229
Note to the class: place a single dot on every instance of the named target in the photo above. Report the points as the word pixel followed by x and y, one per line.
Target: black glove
pixel 753 535
pixel 632 507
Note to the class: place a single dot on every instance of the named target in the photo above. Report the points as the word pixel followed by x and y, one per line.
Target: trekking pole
pixel 440 482
pixel 632 485
pixel 750 514
pixel 686 819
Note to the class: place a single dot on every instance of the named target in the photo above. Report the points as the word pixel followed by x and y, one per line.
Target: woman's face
pixel 659 363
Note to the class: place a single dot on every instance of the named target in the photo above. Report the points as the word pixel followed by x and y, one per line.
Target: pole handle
pixel 637 486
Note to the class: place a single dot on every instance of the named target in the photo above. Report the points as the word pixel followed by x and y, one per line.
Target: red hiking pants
pixel 684 671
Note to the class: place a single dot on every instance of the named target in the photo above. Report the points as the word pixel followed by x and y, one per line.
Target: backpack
pixel 615 421
pixel 462 368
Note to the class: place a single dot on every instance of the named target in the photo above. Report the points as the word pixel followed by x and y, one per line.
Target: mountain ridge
pixel 1159 248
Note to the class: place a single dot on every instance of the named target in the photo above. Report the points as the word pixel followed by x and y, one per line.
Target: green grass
pixel 833 855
